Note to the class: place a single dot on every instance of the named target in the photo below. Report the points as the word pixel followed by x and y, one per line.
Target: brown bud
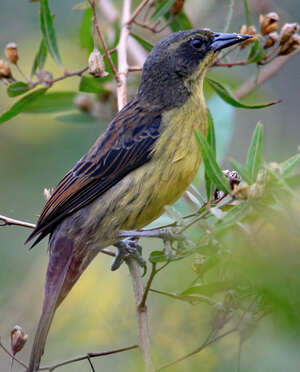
pixel 268 23
pixel 18 339
pixel 241 191
pixel 5 71
pixel 11 52
pixel 290 46
pixel 251 30
pixel 271 40
pixel 177 7
pixel 83 102
pixel 96 64
pixel 287 31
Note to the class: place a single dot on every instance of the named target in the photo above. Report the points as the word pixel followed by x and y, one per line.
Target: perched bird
pixel 145 160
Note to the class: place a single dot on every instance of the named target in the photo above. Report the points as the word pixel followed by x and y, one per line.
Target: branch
pixel 12 356
pixel 86 356
pixel 137 11
pixel 266 73
pixel 10 221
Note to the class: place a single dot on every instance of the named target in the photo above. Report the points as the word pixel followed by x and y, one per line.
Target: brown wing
pixel 126 144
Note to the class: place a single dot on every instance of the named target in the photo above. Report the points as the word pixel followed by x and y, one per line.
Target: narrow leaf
pixel 256 52
pixel 189 299
pixel 227 97
pixel 162 9
pixel 254 158
pixel 17 88
pixel 91 85
pixel 22 104
pixel 243 172
pixel 52 102
pixel 86 38
pixel 233 216
pixel 40 58
pixel 157 256
pixel 211 166
pixel 288 166
pixel 211 140
pixel 48 31
pixel 209 289
pixel 247 13
pixel 180 22
pixel 144 43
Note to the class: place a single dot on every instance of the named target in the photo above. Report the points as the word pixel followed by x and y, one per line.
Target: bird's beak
pixel 222 40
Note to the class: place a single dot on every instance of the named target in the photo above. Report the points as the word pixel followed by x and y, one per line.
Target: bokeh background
pixel 36 151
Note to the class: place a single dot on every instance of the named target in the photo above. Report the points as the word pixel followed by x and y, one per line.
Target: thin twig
pixel 148 285
pixel 86 356
pixel 137 11
pixel 102 42
pixel 10 221
pixel 12 356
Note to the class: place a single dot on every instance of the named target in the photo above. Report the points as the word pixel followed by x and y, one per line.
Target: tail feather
pixel 60 259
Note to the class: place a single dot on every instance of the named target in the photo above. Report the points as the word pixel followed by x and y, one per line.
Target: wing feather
pixel 126 144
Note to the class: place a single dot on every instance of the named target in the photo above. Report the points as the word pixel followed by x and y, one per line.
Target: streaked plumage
pixel 144 161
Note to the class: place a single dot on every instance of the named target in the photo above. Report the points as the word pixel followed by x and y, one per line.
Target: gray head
pixel 177 58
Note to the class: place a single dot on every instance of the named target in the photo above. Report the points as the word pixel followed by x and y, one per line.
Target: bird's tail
pixel 57 272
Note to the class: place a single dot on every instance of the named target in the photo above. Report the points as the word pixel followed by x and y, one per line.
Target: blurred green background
pixel 37 150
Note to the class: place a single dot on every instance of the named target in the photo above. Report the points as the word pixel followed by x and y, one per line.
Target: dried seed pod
pixel 268 23
pixel 251 30
pixel 177 7
pixel 18 339
pixel 271 40
pixel 5 71
pixel 290 46
pixel 287 31
pixel 96 64
pixel 11 52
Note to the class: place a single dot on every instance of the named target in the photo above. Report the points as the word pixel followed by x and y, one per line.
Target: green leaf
pixel 233 216
pixel 145 44
pixel 40 58
pixel 91 85
pixel 254 158
pixel 288 166
pixel 157 256
pixel 243 172
pixel 211 140
pixel 257 52
pixel 209 289
pixel 211 166
pixel 162 9
pixel 82 6
pixel 48 31
pixel 86 38
pixel 17 88
pixel 227 97
pixel 22 104
pixel 52 102
pixel 180 22
pixel 189 299
pixel 247 13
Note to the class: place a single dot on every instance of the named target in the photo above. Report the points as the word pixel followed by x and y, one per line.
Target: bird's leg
pixel 125 248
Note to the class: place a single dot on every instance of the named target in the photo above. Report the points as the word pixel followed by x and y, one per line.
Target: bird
pixel 144 160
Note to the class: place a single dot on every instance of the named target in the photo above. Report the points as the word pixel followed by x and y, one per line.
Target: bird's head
pixel 178 59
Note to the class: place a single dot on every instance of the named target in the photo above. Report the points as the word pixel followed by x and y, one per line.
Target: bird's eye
pixel 196 43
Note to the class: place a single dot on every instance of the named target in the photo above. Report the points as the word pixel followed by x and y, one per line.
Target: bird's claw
pixel 128 248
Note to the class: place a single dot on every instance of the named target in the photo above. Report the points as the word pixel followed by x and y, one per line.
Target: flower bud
pixel 271 40
pixel 251 30
pixel 18 339
pixel 287 31
pixel 290 46
pixel 5 71
pixel 241 191
pixel 11 52
pixel 177 7
pixel 96 64
pixel 268 23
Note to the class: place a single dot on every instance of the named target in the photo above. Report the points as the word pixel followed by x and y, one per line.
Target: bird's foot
pixel 126 248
